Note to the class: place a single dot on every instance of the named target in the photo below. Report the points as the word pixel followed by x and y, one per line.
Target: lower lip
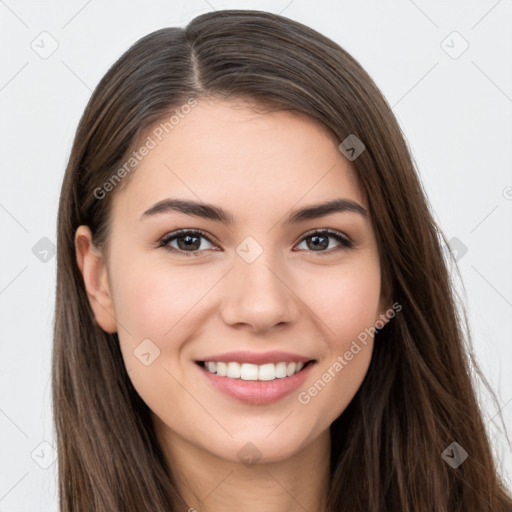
pixel 257 392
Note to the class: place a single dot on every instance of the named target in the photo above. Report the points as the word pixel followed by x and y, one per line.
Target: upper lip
pixel 275 356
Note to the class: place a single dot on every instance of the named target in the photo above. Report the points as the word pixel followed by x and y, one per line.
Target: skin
pixel 292 298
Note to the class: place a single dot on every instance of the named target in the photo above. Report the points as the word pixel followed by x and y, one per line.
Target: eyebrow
pixel 215 213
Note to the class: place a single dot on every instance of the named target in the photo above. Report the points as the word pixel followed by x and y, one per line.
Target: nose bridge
pixel 256 293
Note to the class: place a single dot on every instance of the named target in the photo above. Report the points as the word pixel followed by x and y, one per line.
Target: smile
pixel 255 384
pixel 247 371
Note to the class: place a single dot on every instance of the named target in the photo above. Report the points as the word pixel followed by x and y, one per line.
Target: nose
pixel 258 295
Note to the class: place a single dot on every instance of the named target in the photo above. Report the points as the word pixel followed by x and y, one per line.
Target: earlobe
pixel 94 272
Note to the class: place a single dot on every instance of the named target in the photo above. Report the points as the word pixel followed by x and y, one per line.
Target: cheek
pixel 161 304
pixel 153 300
pixel 347 305
pixel 346 301
pixel 354 317
pixel 151 306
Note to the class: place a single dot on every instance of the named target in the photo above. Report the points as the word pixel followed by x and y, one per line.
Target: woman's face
pixel 261 283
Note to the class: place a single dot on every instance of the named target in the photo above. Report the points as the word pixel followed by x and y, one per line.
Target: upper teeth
pixel 246 371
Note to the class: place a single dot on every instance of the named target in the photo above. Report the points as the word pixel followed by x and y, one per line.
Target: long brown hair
pixel 418 395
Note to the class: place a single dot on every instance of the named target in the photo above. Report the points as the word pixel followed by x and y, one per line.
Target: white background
pixel 455 112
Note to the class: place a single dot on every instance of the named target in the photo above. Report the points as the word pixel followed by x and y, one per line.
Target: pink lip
pixel 275 356
pixel 257 392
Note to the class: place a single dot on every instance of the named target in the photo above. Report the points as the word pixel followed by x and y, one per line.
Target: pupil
pixel 322 246
pixel 188 244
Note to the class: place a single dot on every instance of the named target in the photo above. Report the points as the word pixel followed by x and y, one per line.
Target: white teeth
pixel 267 371
pixel 247 371
pixel 290 369
pixel 280 370
pixel 233 371
pixel 221 369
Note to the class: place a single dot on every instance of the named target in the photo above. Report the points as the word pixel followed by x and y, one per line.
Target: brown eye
pixel 188 242
pixel 319 241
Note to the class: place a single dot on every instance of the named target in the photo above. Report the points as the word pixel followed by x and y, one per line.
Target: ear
pixel 94 271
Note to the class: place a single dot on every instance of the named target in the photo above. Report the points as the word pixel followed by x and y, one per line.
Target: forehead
pixel 226 153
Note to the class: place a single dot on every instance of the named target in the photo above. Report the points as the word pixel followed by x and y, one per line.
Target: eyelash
pixel 344 242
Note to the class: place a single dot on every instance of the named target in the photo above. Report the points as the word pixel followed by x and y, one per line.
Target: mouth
pixel 254 372
pixel 255 384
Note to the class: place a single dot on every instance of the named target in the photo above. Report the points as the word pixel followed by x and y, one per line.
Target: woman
pixel 253 310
